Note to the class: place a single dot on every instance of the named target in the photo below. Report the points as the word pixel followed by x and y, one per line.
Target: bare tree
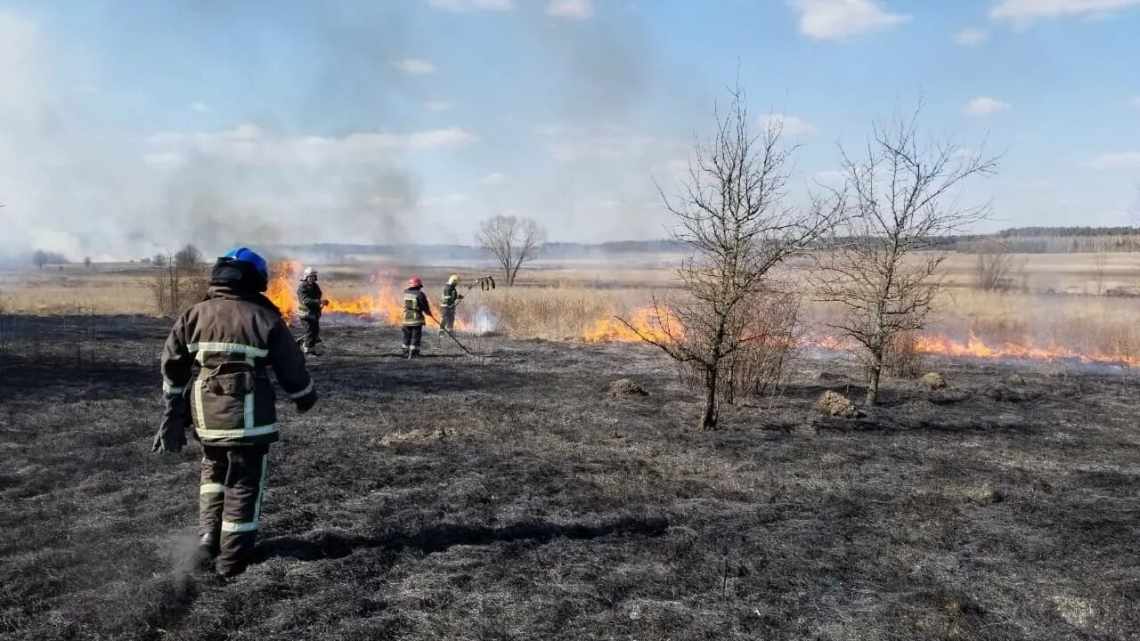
pixel 178 283
pixel 188 258
pixel 733 216
pixel 512 241
pixel 995 265
pixel 1100 269
pixel 1134 210
pixel 902 197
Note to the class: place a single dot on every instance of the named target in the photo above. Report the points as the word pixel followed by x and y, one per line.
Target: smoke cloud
pixel 337 161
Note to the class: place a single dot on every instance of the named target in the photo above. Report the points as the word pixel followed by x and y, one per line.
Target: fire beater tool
pixel 485 283
pixel 452 336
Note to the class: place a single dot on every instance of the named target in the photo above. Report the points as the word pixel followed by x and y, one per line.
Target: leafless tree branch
pixel 879 267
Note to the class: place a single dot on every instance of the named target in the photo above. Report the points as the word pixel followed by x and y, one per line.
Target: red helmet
pixel 415 281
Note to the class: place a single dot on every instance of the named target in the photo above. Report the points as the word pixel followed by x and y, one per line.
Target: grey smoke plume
pixel 80 178
pixel 80 181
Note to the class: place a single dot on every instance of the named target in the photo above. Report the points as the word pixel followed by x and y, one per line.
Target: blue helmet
pixel 247 255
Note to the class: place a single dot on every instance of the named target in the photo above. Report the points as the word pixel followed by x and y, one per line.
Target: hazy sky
pixel 130 127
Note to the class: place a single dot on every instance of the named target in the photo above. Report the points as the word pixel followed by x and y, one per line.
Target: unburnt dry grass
pixel 512 497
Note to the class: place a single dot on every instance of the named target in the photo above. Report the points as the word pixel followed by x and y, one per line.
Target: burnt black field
pixel 511 497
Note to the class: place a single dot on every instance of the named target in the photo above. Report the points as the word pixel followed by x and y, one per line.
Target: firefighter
pixel 416 308
pixel 309 295
pixel 447 304
pixel 235 335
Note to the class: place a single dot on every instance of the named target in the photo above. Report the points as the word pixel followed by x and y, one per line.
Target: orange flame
pixel 282 286
pixel 644 320
pixel 977 348
pixel 386 305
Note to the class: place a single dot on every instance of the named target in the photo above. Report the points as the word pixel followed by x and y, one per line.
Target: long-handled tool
pixel 448 332
pixel 484 283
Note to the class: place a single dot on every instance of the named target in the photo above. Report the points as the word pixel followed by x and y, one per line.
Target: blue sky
pixel 131 127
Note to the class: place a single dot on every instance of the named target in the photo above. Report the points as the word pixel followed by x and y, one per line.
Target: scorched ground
pixel 513 497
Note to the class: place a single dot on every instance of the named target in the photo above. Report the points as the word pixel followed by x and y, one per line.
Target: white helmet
pixel 309 271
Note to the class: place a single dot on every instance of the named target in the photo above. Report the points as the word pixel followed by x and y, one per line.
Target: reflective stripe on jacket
pixel 450 296
pixel 413 313
pixel 234 340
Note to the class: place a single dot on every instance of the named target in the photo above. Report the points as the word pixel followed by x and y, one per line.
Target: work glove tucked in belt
pixel 171 436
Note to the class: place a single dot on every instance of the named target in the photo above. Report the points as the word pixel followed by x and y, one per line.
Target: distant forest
pixel 1019 240
pixel 1061 240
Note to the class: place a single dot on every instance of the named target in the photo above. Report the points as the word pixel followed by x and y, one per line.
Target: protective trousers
pixel 312 323
pixel 413 336
pixel 233 485
pixel 447 320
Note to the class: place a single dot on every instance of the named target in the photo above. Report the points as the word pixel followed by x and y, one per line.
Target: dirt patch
pixel 625 388
pixel 836 405
pixel 948 396
pixel 933 381
pixel 411 436
pixel 1008 394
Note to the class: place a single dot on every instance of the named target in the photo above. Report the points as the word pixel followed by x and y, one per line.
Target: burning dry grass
pixel 581 302
pixel 556 313
pixel 1040 326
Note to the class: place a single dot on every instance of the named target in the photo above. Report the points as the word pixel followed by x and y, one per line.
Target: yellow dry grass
pixel 558 301
pixel 70 291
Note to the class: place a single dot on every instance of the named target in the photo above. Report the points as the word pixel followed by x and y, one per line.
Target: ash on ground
pixel 453 497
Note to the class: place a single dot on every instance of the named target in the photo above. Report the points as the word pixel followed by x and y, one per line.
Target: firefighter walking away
pixel 448 303
pixel 416 309
pixel 310 297
pixel 235 336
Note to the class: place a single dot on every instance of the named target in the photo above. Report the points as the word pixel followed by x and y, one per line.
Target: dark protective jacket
pixel 235 336
pixel 451 296
pixel 416 307
pixel 309 295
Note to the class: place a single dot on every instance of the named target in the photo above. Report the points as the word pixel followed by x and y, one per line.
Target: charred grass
pixel 510 497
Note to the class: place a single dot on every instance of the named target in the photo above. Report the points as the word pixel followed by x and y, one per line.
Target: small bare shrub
pixel 758 367
pixel 996 268
pixel 1100 264
pixel 903 358
pixel 176 287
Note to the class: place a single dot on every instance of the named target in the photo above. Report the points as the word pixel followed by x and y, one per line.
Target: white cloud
pixel 1026 11
pixel 462 6
pixel 595 144
pixel 842 19
pixel 164 160
pixel 414 66
pixel 985 106
pixel 199 107
pixel 971 37
pixel 572 9
pixel 446 199
pixel 438 105
pixel 493 178
pixel 1116 160
pixel 790 125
